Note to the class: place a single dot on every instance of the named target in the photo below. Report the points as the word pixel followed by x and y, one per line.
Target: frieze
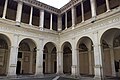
pixel 14 31
pixel 117 19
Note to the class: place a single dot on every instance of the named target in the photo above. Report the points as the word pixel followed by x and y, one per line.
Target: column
pixel 97 58
pixel 73 17
pixel 75 59
pixel 65 20
pixel 19 13
pixel 51 21
pixel 41 20
pixel 82 11
pixel 59 62
pixel 39 58
pixel 31 62
pixel 112 60
pixel 93 8
pixel 107 5
pixel 5 9
pixel 31 15
pixel 59 23
pixel 90 62
pixel 49 62
pixel 13 57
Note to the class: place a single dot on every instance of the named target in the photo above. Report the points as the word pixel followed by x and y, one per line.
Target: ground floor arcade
pixel 86 57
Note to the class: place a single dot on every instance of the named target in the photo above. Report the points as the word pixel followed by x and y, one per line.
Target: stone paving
pixel 52 77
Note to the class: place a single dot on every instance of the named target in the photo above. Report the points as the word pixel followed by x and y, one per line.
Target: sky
pixel 55 3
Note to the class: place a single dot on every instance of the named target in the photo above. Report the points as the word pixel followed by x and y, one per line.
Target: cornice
pixel 69 5
pixel 40 5
pixel 49 8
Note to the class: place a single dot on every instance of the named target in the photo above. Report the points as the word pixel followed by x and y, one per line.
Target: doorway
pixel 18 67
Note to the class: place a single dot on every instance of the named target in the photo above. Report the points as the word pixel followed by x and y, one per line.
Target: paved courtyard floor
pixel 52 77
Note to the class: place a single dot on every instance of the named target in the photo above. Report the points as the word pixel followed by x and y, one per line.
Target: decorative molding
pixel 41 5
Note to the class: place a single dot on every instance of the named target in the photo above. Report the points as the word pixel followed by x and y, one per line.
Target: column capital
pixel 59 52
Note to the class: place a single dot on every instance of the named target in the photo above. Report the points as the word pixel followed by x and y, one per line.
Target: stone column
pixel 82 11
pixel 73 17
pixel 98 69
pixel 59 23
pixel 90 62
pixel 41 20
pixel 59 62
pixel 93 8
pixel 112 60
pixel 31 62
pixel 19 13
pixel 39 58
pixel 5 9
pixel 65 20
pixel 31 15
pixel 13 57
pixel 49 62
pixel 75 59
pixel 107 5
pixel 51 21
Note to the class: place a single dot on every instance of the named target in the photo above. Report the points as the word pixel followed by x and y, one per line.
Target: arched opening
pixel 26 57
pixel 4 54
pixel 110 41
pixel 49 58
pixel 86 56
pixel 67 58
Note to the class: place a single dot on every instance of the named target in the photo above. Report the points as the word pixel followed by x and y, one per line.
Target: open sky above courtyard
pixel 55 3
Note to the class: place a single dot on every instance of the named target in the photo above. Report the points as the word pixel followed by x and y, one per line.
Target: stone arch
pixel 50 58
pixel 67 57
pixel 5 44
pixel 110 52
pixel 26 56
pixel 86 56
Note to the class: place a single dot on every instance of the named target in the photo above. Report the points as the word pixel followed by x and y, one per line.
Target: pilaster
pixel 75 59
pixel 59 62
pixel 13 57
pixel 97 58
pixel 39 58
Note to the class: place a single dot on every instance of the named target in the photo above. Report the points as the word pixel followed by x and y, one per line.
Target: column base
pixel 75 70
pixel 59 73
pixel 76 76
pixel 98 78
pixel 17 24
pixel 41 28
pixel 11 76
pixel 108 10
